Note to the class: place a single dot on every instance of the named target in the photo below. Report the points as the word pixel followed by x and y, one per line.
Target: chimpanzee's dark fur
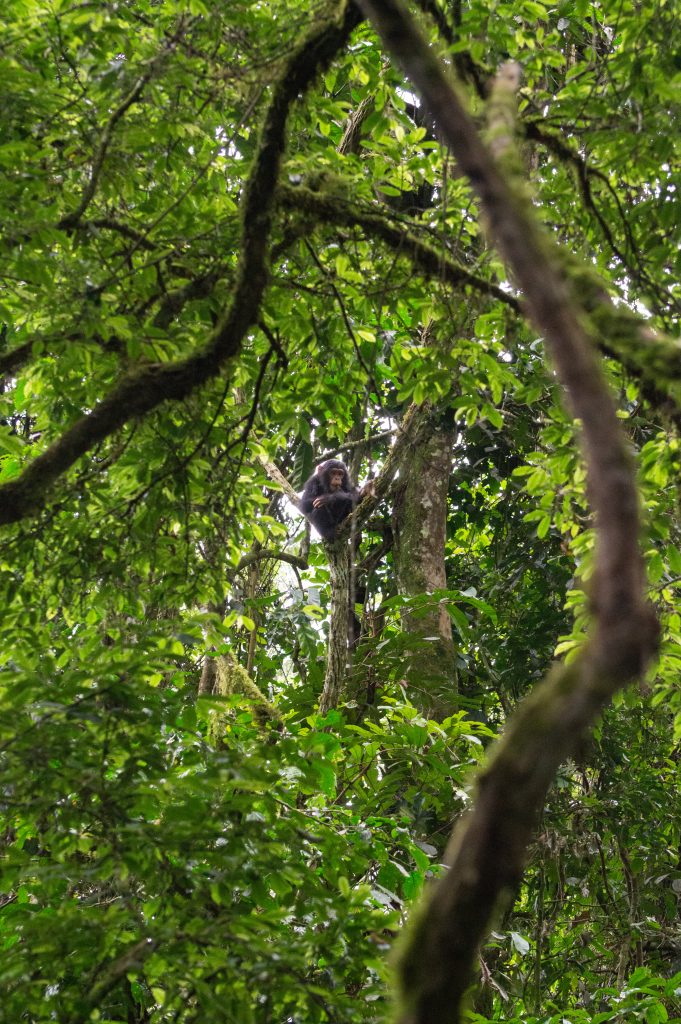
pixel 337 504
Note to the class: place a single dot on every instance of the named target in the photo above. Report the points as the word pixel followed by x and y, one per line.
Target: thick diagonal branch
pixel 144 390
pixel 487 855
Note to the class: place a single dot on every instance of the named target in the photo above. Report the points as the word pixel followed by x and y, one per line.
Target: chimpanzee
pixel 329 497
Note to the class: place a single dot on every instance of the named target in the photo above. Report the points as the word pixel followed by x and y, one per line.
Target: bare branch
pixel 361 443
pixel 276 474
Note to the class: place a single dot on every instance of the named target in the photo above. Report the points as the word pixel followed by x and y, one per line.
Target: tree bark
pixel 337 662
pixel 420 518
pixel 486 855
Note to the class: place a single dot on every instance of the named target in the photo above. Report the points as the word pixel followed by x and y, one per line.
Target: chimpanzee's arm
pixel 313 488
pixel 340 504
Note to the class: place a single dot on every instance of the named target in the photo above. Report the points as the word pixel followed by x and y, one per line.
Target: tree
pixel 242 238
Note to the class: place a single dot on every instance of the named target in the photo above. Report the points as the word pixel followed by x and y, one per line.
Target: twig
pixel 361 443
pixel 344 314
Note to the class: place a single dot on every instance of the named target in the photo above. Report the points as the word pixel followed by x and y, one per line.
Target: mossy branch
pixel 333 208
pixel 487 854
pixel 269 554
pixel 650 356
pixel 139 393
pixel 231 678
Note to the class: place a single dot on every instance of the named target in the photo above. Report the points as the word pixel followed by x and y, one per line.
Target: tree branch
pixel 276 474
pixel 269 553
pixel 651 357
pixel 360 443
pixel 70 220
pixel 16 357
pixel 585 173
pixel 486 856
pixel 170 305
pixel 410 424
pixel 334 209
pixel 139 393
pixel 112 224
pixel 110 974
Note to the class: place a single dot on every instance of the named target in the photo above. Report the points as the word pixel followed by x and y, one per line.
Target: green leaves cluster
pixel 151 871
pixel 138 861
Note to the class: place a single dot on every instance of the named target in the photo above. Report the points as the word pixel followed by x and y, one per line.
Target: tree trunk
pixel 339 628
pixel 419 553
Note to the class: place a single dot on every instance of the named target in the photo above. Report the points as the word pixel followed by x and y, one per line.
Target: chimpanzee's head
pixel 335 475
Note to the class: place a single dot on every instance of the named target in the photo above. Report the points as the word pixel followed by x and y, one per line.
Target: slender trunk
pixel 208 677
pixel 252 585
pixel 339 627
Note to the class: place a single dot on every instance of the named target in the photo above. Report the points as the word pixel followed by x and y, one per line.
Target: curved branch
pixel 71 220
pixel 112 224
pixel 466 67
pixel 334 209
pixel 486 856
pixel 560 149
pixel 139 393
pixel 269 553
pixel 653 358
pixel 109 974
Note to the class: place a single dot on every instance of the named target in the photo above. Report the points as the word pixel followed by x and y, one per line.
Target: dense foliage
pixel 230 249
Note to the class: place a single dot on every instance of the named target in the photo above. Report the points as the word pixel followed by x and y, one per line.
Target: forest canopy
pixel 424 769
